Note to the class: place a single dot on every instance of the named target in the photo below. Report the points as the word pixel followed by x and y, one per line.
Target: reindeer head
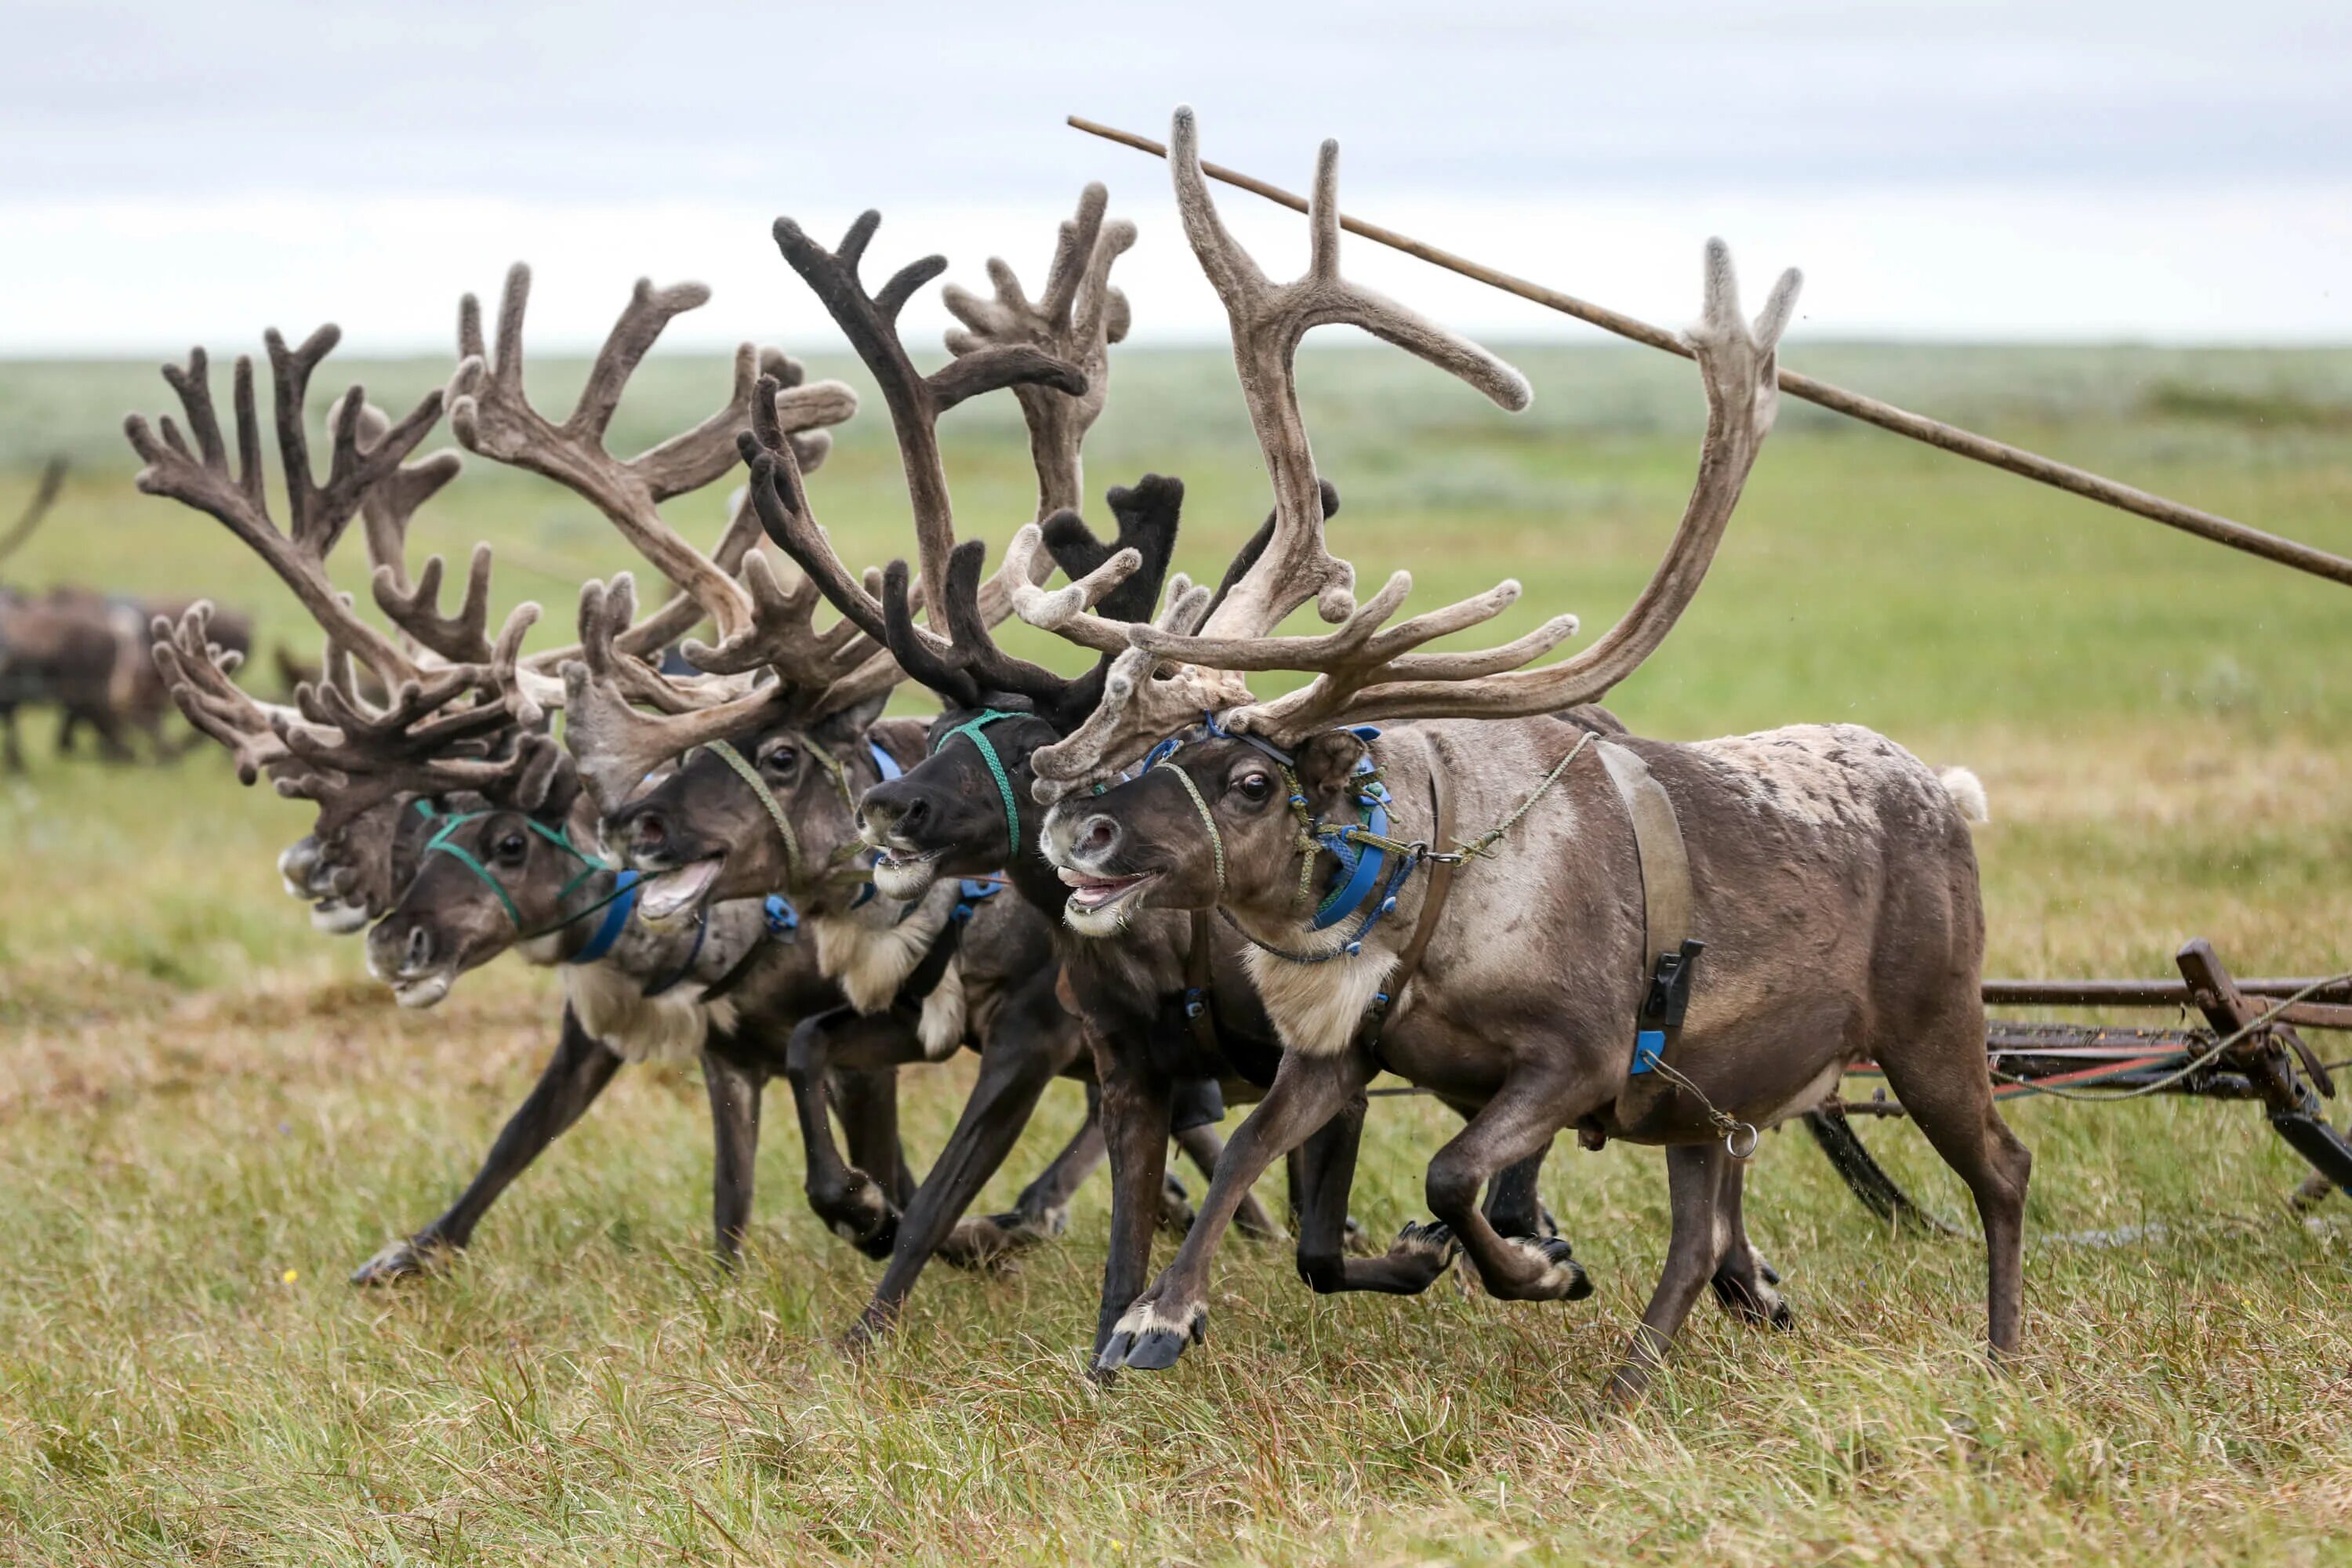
pixel 774 806
pixel 516 865
pixel 1215 817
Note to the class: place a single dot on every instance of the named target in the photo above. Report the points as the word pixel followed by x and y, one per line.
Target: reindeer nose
pixel 648 831
pixel 420 949
pixel 883 812
pixel 1096 837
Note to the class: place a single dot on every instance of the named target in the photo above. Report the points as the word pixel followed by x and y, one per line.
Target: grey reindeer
pixel 1828 874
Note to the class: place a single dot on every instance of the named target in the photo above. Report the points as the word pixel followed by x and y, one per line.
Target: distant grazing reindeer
pixel 1828 874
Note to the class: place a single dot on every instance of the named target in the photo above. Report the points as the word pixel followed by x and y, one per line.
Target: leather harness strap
pixel 1199 985
pixel 1658 843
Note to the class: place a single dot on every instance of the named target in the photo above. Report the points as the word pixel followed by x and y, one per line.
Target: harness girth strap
pixel 1664 860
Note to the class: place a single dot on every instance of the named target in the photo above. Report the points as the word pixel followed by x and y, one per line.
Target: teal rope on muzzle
pixel 972 730
pixel 442 843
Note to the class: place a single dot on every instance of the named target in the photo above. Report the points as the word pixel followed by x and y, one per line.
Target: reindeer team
pixel 1450 865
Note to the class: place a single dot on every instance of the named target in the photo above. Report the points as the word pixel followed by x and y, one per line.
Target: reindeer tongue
pixel 664 896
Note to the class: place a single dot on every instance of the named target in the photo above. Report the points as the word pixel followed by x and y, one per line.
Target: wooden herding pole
pixel 1885 415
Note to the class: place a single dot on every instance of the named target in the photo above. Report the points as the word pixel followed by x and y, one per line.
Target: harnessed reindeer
pixel 1827 873
pixel 705 827
pixel 430 782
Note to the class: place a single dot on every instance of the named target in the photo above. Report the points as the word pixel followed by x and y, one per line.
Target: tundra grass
pixel 208 1114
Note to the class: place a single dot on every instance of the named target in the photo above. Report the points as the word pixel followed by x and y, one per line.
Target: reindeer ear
pixel 848 726
pixel 1326 763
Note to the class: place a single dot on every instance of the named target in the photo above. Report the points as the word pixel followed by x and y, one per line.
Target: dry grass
pixel 206 1117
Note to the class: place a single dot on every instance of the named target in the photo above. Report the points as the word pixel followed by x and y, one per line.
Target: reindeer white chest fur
pixel 869 952
pixel 608 997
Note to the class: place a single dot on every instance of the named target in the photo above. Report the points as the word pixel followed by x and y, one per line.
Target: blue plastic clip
pixel 1649 1051
pixel 783 920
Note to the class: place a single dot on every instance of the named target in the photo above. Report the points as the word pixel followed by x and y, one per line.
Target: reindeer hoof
pixel 1151 1340
pixel 403 1259
pixel 860 1215
pixel 1176 1213
pixel 1563 1278
pixel 1750 1298
pixel 1025 1229
pixel 982 1245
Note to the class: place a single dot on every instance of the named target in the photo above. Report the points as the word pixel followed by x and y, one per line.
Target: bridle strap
pixel 726 753
pixel 973 729
pixel 1432 905
pixel 442 843
pixel 1209 821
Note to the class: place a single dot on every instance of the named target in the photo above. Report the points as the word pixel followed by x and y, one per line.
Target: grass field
pixel 208 1114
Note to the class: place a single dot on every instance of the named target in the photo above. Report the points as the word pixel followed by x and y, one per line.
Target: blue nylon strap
pixel 886 762
pixel 1367 862
pixel 616 919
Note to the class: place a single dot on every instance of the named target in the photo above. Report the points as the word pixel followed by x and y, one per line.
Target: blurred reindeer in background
pixel 85 653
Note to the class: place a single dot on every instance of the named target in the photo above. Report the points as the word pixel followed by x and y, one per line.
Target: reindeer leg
pixel 1743 1281
pixel 14 752
pixel 1135 1129
pixel 1514 1206
pixel 1307 1091
pixel 1030 1043
pixel 1937 1074
pixel 1696 1174
pixel 846 1199
pixel 575 1076
pixel 1515 1124
pixel 1326 1167
pixel 735 1094
pixel 865 1103
pixel 1205 1149
pixel 1043 1210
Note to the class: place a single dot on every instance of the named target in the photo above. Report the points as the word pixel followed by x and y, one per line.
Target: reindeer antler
pixel 1077 319
pixel 199 673
pixel 1365 673
pixel 316 514
pixel 493 416
pixel 870 322
pixel 1292 566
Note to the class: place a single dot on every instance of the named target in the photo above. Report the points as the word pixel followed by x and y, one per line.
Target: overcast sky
pixel 2091 169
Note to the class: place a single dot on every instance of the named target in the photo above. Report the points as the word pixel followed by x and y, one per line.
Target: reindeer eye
pixel 1254 787
pixel 780 759
pixel 510 848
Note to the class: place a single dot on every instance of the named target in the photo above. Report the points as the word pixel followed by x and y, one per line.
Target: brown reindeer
pixel 1827 873
pixel 703 828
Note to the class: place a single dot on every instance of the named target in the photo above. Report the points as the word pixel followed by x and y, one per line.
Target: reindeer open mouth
pixel 1092 895
pixel 671 891
pixel 901 873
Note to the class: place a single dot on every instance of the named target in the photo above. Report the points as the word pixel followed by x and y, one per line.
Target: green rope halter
pixel 795 863
pixel 971 731
pixel 442 843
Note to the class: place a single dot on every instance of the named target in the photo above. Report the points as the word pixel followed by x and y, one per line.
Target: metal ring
pixel 1731 1140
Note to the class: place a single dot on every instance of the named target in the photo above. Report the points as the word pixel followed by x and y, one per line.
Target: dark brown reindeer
pixel 1828 873
pixel 707 820
pixel 370 769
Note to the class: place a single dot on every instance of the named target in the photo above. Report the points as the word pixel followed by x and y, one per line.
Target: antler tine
pixel 318 513
pixel 197 673
pixel 1268 320
pixel 45 495
pixel 614 744
pixel 784 636
pixel 1377 677
pixel 493 416
pixel 1076 319
pixel 870 322
pixel 780 498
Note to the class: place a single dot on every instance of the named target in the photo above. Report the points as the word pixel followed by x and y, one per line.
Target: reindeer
pixel 1827 873
pixel 703 830
pixel 396 783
